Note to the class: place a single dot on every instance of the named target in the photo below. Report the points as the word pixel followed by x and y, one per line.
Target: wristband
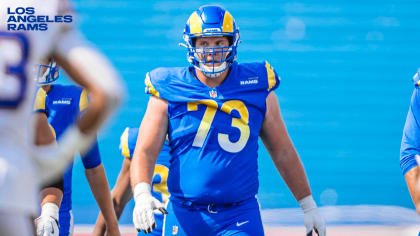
pixel 50 209
pixel 141 188
pixel 307 203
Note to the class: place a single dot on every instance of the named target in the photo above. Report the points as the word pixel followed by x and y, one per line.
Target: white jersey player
pixel 23 167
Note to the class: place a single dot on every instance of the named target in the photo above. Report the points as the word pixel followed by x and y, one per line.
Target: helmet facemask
pixel 212 61
pixel 47 74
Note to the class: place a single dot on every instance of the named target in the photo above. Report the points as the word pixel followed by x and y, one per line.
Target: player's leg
pixel 16 224
pixel 183 221
pixel 243 220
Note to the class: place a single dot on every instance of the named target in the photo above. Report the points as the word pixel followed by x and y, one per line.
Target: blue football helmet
pixel 50 75
pixel 211 21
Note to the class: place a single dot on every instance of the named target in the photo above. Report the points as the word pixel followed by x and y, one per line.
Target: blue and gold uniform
pixel 410 144
pixel 62 105
pixel 213 135
pixel 160 176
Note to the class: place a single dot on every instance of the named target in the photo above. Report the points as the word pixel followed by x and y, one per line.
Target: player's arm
pixel 410 147
pixel 95 174
pixel 276 139
pixel 150 140
pixel 282 151
pixel 412 179
pixel 53 191
pixel 51 194
pixel 121 195
pixel 151 137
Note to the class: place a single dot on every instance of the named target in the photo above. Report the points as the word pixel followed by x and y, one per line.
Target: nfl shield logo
pixel 213 93
pixel 174 230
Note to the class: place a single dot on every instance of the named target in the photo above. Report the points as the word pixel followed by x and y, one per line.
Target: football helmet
pixel 211 21
pixel 47 74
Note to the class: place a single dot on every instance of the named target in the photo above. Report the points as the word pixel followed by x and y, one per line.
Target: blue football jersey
pixel 160 176
pixel 62 105
pixel 410 144
pixel 214 132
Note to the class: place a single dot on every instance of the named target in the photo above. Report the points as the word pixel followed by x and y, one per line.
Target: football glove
pixel 311 218
pixel 143 217
pixel 47 223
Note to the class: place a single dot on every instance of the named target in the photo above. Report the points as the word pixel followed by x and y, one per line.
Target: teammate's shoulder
pixel 40 92
pixel 416 78
pixel 128 141
pixel 40 99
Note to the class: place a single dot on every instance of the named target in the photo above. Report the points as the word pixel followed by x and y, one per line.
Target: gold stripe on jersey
pixel 83 103
pixel 40 100
pixel 53 131
pixel 125 151
pixel 271 77
pixel 149 86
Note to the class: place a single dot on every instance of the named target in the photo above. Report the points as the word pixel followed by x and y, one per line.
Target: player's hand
pixel 46 226
pixel 143 217
pixel 314 222
pixel 312 219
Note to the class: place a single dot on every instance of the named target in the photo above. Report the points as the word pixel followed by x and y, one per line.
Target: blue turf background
pixel 346 69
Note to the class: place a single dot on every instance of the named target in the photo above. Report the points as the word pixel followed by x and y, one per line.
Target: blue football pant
pixel 241 220
pixel 65 220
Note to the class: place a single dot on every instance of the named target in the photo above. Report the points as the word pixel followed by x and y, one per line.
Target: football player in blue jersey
pixel 121 193
pixel 61 105
pixel 410 145
pixel 213 113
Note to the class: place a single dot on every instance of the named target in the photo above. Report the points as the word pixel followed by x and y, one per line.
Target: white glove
pixel 47 223
pixel 312 219
pixel 143 217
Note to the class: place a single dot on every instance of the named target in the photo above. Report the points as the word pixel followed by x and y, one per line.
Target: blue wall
pixel 346 69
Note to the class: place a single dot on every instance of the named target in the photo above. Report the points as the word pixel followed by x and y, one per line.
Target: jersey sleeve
pixel 40 101
pixel 416 78
pixel 161 82
pixel 124 144
pixel 128 142
pixel 273 79
pixel 410 144
pixel 92 158
pixel 150 88
pixel 83 101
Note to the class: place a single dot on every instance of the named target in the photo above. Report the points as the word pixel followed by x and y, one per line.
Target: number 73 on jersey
pixel 207 120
